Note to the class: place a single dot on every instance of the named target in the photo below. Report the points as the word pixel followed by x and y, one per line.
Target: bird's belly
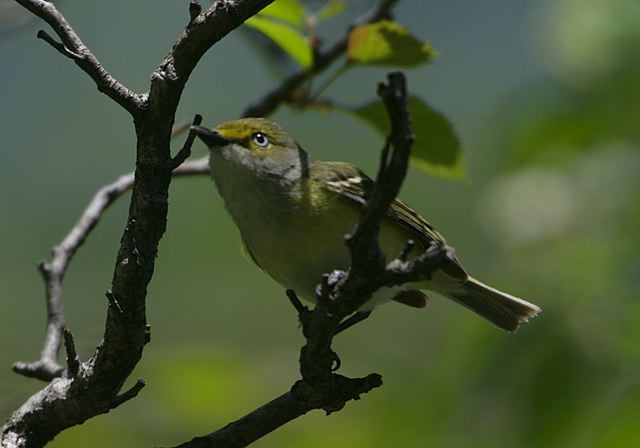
pixel 297 253
pixel 298 256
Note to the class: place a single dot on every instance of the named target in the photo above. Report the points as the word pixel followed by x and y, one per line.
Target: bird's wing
pixel 349 182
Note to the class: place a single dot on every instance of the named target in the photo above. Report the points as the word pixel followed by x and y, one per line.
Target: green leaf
pixel 387 43
pixel 292 42
pixel 289 11
pixel 331 9
pixel 436 150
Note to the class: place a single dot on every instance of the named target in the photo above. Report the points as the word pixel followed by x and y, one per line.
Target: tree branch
pixel 289 406
pixel 368 261
pixel 204 29
pixel 73 48
pixel 53 272
pixel 47 367
pixel 185 152
pixel 70 400
pixel 73 360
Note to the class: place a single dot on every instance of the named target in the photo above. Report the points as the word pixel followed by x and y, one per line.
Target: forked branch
pixel 47 367
pixel 86 389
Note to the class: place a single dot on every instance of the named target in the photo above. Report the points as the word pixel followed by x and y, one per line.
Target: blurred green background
pixel 546 98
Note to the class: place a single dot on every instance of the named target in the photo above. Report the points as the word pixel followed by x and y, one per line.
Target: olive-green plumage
pixel 293 213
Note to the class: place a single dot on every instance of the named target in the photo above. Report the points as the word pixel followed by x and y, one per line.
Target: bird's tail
pixel 503 310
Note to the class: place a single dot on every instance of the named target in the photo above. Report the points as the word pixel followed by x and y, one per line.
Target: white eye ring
pixel 260 139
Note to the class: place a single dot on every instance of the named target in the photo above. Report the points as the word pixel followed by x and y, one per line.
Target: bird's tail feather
pixel 503 310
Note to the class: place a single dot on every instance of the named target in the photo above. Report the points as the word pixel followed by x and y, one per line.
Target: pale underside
pixel 296 241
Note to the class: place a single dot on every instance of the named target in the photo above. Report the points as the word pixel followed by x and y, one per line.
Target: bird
pixel 293 213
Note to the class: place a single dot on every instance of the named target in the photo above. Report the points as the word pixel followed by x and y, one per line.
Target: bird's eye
pixel 261 139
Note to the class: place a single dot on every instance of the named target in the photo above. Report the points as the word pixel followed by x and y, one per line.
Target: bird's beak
pixel 209 137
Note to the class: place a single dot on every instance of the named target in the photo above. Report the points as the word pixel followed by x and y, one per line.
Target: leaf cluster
pixel 291 31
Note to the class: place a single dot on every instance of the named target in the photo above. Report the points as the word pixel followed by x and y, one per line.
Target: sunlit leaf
pixel 436 150
pixel 331 9
pixel 290 11
pixel 387 43
pixel 292 42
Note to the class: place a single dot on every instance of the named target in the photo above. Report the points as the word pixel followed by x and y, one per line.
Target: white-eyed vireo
pixel 293 213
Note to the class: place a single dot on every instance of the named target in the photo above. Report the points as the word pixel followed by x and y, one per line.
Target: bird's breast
pixel 293 233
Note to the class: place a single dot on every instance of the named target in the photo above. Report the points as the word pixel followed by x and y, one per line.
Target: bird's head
pixel 257 145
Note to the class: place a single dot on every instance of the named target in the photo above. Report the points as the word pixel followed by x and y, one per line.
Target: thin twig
pixel 129 394
pixel 42 34
pixel 47 367
pixel 349 292
pixel 204 30
pixel 281 94
pixel 367 260
pixel 295 301
pixel 53 272
pixel 73 360
pixel 195 8
pixel 185 151
pixel 73 48
pixel 289 406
